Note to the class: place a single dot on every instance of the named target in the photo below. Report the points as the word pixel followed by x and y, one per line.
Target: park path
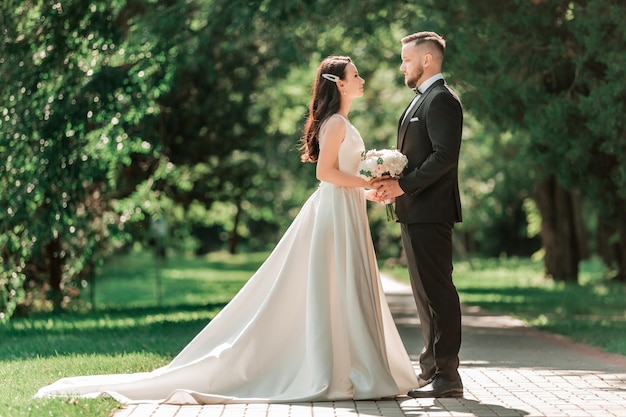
pixel 508 369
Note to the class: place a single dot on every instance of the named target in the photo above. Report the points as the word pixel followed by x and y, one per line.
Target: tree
pixel 74 98
pixel 120 111
pixel 554 71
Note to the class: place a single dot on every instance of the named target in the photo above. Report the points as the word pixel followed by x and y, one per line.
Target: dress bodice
pixel 351 149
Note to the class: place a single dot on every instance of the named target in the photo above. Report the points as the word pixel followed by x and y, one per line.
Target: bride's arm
pixel 328 161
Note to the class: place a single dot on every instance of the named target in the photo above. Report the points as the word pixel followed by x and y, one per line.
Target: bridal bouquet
pixel 379 163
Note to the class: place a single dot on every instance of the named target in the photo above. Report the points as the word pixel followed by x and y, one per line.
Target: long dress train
pixel 312 323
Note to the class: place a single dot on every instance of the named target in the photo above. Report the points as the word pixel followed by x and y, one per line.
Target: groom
pixel 427 205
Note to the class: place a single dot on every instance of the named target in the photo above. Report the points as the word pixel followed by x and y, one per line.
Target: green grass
pixel 130 332
pixel 593 312
pixel 131 281
pixel 127 333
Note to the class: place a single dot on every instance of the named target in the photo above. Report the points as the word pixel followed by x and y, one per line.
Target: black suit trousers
pixel 428 248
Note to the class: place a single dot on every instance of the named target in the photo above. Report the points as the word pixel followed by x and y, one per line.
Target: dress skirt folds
pixel 312 323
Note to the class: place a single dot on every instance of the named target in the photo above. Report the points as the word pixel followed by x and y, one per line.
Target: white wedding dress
pixel 312 324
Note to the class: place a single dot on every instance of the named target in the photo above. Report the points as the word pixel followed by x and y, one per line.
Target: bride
pixel 312 324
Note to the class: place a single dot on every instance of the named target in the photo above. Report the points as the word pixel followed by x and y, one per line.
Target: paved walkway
pixel 508 370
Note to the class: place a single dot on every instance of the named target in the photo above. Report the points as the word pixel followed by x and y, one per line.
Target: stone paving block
pixel 195 410
pixel 508 370
pixel 125 411
pixel 166 410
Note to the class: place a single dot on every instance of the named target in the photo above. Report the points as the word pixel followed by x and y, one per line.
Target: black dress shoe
pixel 438 388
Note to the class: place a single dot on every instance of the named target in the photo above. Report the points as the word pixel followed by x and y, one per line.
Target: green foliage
pixel 121 112
pixel 496 182
pixel 69 123
pixel 115 114
pixel 552 71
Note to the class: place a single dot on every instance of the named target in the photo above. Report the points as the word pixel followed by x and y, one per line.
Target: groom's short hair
pixel 426 37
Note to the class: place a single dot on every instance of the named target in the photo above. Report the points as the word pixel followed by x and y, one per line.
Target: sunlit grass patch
pixel 593 311
pixel 128 332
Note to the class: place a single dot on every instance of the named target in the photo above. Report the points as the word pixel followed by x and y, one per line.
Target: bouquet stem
pixel 391 213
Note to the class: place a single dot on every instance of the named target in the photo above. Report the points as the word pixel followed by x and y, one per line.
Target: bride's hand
pixel 377 179
pixel 372 195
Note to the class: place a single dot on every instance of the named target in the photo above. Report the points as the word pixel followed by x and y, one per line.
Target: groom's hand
pixel 388 189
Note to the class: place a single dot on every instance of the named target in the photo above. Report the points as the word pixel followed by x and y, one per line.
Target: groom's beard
pixel 411 81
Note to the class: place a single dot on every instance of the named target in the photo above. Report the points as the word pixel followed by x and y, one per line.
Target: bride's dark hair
pixel 325 102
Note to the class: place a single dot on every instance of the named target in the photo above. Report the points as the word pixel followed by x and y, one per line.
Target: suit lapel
pixel 403 126
pixel 410 111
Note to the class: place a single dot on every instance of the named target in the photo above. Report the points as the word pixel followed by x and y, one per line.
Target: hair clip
pixel 331 77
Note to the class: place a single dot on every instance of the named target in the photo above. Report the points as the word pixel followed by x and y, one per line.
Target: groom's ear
pixel 428 59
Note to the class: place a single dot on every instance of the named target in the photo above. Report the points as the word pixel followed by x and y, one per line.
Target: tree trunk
pixel 234 237
pixel 607 249
pixel 621 248
pixel 612 241
pixel 582 237
pixel 559 230
pixel 55 273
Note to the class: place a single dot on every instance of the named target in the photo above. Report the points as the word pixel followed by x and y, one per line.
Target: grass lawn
pixel 593 312
pixel 130 332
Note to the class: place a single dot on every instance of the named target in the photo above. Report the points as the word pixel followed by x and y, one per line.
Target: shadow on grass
pixel 584 314
pixel 144 261
pixel 568 300
pixel 159 330
pixel 127 321
pixel 250 266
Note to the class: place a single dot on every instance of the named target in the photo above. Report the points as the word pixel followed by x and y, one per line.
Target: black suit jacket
pixel 430 137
